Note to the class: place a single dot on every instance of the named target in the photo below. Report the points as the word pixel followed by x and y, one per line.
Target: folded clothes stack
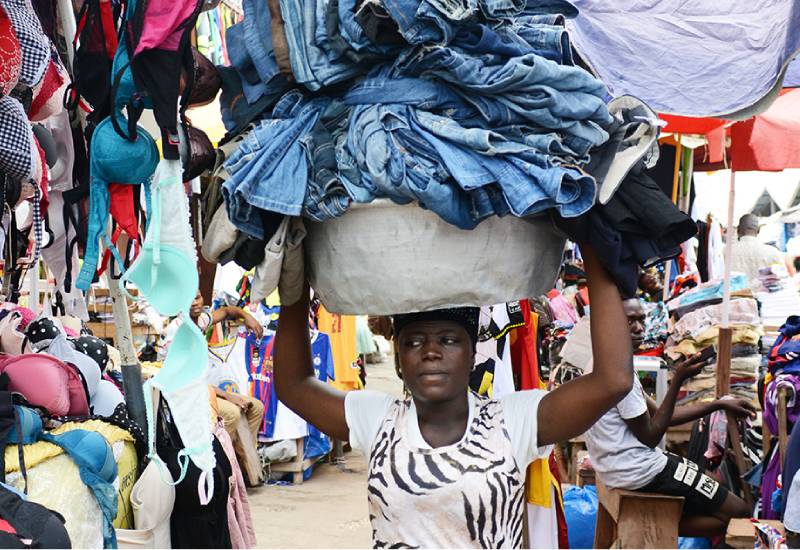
pixel 697 317
pixel 469 108
pixel 774 278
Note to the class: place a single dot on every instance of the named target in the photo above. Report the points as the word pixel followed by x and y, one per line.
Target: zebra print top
pixel 465 495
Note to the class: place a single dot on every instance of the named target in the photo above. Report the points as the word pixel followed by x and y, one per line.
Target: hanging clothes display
pixel 493 351
pixel 322 358
pixel 341 329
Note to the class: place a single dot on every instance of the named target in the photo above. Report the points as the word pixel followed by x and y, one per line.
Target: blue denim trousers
pixel 326 196
pixel 396 163
pixel 438 98
pixel 529 181
pixel 258 38
pixel 310 63
pixel 269 170
pixel 527 89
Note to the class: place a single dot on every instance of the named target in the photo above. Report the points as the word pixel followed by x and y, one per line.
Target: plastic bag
pixel 580 511
pixel 693 543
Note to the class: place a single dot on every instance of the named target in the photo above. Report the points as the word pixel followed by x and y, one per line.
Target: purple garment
pixel 791 381
pixel 769 484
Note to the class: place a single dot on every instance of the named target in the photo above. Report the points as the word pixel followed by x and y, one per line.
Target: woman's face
pixel 436 358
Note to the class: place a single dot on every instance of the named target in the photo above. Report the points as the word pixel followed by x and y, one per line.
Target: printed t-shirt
pixel 365 411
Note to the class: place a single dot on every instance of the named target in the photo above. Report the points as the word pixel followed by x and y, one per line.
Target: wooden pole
pixel 726 287
pixel 678 155
pixel 725 348
pixel 675 181
pixel 131 369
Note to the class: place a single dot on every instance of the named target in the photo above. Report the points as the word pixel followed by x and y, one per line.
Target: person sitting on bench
pixel 623 446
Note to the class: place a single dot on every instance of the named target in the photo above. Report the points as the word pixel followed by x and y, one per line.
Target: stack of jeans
pixel 482 119
pixel 287 165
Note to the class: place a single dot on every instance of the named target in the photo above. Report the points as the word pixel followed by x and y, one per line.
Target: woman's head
pixel 436 351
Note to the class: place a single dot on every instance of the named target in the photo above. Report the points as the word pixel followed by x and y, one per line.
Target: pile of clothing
pixel 470 109
pixel 697 316
pixel 57 389
pixel 778 295
pixel 773 278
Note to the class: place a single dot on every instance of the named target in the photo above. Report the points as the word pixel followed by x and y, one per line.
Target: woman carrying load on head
pixel 447 468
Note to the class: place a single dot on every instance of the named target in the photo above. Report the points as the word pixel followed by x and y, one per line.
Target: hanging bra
pixel 182 383
pixel 118 160
pixel 165 272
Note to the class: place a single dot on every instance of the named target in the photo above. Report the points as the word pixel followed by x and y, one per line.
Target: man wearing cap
pixel 749 255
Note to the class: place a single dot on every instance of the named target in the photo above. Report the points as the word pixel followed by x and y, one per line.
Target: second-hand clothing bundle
pixel 697 315
pixel 471 110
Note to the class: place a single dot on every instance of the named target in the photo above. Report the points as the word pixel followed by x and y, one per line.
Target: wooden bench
pixel 299 465
pixel 631 519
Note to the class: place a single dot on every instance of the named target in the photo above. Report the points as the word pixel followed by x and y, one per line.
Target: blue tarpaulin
pixel 690 57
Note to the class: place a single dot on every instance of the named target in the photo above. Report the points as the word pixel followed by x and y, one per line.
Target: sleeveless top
pixel 465 495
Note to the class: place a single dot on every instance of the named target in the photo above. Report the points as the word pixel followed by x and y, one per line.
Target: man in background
pixel 749 255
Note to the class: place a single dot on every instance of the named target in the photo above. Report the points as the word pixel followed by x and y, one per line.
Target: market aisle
pixel 330 509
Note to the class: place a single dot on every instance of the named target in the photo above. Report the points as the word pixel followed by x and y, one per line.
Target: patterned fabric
pixel 95 348
pixel 33 42
pixel 10 55
pixel 37 222
pixel 41 333
pixel 16 140
pixel 466 495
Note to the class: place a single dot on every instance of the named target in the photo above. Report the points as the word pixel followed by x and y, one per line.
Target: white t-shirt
pixel 618 457
pixel 365 411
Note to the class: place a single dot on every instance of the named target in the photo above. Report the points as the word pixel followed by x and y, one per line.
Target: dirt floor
pixel 330 509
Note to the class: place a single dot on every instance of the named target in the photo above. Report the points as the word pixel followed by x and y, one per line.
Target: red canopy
pixel 768 142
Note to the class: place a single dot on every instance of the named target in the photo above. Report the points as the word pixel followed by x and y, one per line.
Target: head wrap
pixel 467 317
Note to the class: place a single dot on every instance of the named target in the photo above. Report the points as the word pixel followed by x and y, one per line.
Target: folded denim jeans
pixel 421 22
pixel 310 64
pixel 257 25
pixel 335 44
pixel 288 165
pixel 269 169
pixel 510 90
pixel 326 196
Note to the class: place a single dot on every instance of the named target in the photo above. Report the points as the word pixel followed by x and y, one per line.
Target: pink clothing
pixel 561 308
pixel 164 24
pixel 240 522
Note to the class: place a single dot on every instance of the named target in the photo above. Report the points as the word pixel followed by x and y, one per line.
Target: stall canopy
pixel 695 59
pixel 767 142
